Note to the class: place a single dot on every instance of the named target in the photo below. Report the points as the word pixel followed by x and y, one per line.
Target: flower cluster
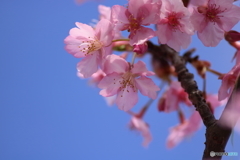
pixel 175 24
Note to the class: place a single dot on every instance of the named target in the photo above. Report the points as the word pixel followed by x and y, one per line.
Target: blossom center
pixel 90 46
pixel 173 20
pixel 211 12
pixel 134 24
pixel 127 81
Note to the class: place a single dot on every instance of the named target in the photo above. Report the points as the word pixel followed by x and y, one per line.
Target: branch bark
pixel 216 134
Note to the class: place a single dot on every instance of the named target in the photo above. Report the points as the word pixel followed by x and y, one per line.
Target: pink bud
pixel 232 36
pixel 140 48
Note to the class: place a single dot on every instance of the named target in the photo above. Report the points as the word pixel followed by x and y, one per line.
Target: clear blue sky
pixel 48 113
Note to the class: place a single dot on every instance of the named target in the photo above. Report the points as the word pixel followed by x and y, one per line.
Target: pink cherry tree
pixel 173 23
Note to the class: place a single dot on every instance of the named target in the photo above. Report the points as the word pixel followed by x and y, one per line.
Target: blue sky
pixel 48 113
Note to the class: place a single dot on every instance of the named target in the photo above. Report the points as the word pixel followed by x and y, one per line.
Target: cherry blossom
pixel 228 81
pixel 138 124
pixel 125 80
pixel 141 48
pixel 184 130
pixel 174 27
pixel 213 18
pixel 138 13
pixel 89 43
pixel 173 97
pixel 120 80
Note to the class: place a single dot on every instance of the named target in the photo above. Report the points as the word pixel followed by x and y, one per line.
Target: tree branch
pixel 216 135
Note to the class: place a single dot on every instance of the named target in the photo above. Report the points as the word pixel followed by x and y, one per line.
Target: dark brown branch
pixel 187 81
pixel 216 135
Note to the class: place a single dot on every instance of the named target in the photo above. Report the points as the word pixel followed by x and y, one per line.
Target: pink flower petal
pixel 72 47
pixel 110 100
pixel 88 65
pixel 184 130
pixel 179 40
pixel 213 100
pixel 104 32
pixel 198 20
pixel 84 30
pixel 164 33
pixel 228 82
pixel 147 87
pixel 97 76
pixel 140 48
pixel 139 68
pixel 114 63
pixel 173 97
pixel 142 35
pixel 211 35
pixel 141 126
pixel 223 91
pixel 229 118
pixel 230 18
pixel 127 98
pixel 231 113
pixel 105 12
pixel 172 102
pixel 237 56
pixel 150 13
pixel 118 17
pixel 105 51
pixel 198 2
pixel 134 5
pixel 223 4
pixel 110 85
